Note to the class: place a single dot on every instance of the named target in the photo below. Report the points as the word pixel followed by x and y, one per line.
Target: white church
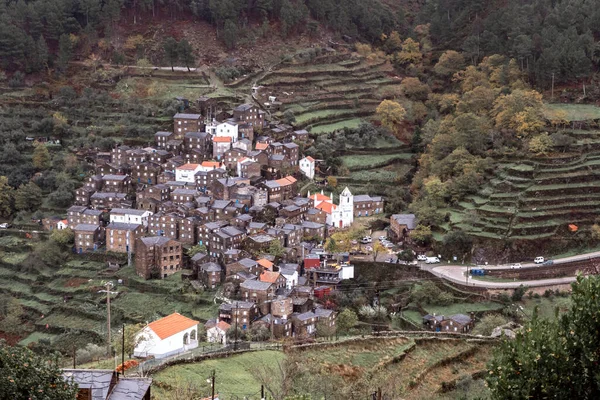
pixel 339 216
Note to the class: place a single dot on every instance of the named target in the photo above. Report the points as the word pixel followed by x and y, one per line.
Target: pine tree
pixel 186 53
pixel 171 50
pixel 65 52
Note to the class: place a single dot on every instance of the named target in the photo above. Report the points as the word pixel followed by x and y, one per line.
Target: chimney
pixel 314 310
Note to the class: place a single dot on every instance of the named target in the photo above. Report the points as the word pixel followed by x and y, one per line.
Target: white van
pixel 432 260
pixel 539 260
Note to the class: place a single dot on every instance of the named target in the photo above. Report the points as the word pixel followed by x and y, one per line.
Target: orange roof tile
pixel 222 325
pixel 212 164
pixel 327 207
pixel 282 182
pixel 190 167
pixel 309 158
pixel 261 146
pixel 171 324
pixel 263 262
pixel 268 276
pixel 291 179
pixel 319 197
pixel 65 221
pixel 222 139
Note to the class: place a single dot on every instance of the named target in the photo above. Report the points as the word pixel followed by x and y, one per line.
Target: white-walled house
pixel 167 336
pixel 187 172
pixel 130 216
pixel 291 277
pixel 228 129
pixel 307 167
pixel 218 333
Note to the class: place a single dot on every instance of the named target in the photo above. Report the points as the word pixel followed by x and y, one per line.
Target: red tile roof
pixel 222 325
pixel 327 207
pixel 212 164
pixel 171 324
pixel 263 262
pixel 319 197
pixel 222 139
pixel 270 277
pixel 261 146
pixel 190 167
pixel 309 158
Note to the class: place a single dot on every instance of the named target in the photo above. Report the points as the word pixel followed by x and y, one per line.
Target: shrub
pixel 518 293
pixel 228 74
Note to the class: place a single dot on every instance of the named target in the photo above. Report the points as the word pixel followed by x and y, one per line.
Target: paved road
pixel 456 273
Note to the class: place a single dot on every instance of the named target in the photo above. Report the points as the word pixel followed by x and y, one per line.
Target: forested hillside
pixel 546 37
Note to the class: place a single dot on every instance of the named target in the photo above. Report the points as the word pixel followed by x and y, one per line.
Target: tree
pixel 276 249
pixel 393 43
pixel 541 144
pixel 457 243
pixel 278 377
pixel 377 248
pixel 6 197
pixel 346 320
pixel 28 197
pixel 63 237
pixel 11 313
pixel 410 54
pixel 65 52
pixel 171 51
pixel 186 53
pixel 199 248
pixel 230 34
pixel 421 235
pixel 324 330
pixel 390 113
pixel 131 339
pixel 414 89
pixel 488 323
pixel 332 181
pixel 331 246
pixel 289 117
pixel 41 157
pixel 449 63
pixel 406 255
pixel 26 375
pixel 549 358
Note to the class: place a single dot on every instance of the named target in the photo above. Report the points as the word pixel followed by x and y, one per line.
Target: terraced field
pixel 331 93
pixel 66 299
pixel 537 198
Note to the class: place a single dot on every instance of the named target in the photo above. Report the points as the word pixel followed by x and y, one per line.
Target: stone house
pixel 121 237
pixel 157 256
pixel 88 237
pixel 258 292
pixel 210 274
pixel 187 123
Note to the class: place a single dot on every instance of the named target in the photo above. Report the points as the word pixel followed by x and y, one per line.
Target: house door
pixel 341 223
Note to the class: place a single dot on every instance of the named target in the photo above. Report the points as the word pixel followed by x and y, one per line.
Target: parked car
pixel 516 266
pixel 539 260
pixel 382 238
pixel 548 262
pixel 421 257
pixel 432 260
pixel 388 245
pixel 366 240
pixel 4 226
pixel 389 260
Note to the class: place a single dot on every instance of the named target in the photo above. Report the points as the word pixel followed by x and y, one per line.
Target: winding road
pixel 456 273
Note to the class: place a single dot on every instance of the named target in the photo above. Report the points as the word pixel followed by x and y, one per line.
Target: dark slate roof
pixel 198 256
pixel 461 318
pixel 323 313
pixel 123 226
pixel 255 285
pixel 115 177
pixel 187 116
pixel 198 135
pixel 304 316
pixel 243 107
pixel 131 389
pixel 410 220
pixel 248 262
pixel 131 211
pixel 162 133
pixel 237 304
pixel 86 227
pixel 211 267
pixel 155 240
pixel 97 380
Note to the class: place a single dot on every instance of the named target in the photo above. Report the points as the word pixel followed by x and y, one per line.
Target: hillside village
pixel 218 198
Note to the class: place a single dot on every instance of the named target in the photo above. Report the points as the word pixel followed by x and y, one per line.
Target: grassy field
pixel 574 112
pixel 546 306
pixel 233 377
pixel 341 370
pixel 372 160
pixel 326 128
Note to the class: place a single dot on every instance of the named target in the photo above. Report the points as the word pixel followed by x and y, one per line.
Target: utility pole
pixel 74 357
pixel 108 286
pixel 378 393
pixel 236 326
pixel 212 396
pixel 552 95
pixel 123 351
pixel 262 392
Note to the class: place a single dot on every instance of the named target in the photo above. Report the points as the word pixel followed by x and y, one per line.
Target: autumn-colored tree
pixel 133 337
pixel 520 111
pixel 393 43
pixel 541 144
pixel 411 53
pixel 421 235
pixel 377 249
pixel 414 89
pixel 390 113
pixel 449 63
pixel 41 157
pixel 332 181
pixel 63 237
